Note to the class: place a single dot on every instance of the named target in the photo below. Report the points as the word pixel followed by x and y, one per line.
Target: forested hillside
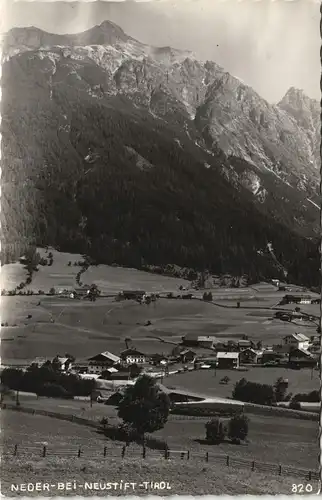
pixel 90 172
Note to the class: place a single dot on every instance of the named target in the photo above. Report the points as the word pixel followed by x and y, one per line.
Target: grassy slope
pixel 287 442
pixel 184 479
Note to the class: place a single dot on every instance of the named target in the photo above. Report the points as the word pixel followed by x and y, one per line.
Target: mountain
pixel 137 154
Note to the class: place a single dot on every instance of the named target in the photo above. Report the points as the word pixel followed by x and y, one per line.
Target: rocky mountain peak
pixel 297 98
pixel 105 33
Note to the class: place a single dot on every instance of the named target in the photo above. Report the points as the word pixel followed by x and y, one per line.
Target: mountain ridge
pixel 187 105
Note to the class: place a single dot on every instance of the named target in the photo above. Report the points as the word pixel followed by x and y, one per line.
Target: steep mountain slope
pixel 111 139
pixel 279 143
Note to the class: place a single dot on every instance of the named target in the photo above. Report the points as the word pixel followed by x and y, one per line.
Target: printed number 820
pixel 302 488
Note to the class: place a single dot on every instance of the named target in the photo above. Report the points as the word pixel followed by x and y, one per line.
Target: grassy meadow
pixel 291 443
pixel 184 478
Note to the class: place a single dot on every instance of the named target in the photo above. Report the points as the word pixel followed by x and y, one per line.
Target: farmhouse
pixel 250 355
pixel 131 356
pixel 302 357
pixel 296 299
pixel 102 361
pixel 228 360
pixel 274 355
pixel 65 363
pixel 297 340
pixel 187 355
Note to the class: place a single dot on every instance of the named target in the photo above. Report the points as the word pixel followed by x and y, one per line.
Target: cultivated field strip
pixel 94 453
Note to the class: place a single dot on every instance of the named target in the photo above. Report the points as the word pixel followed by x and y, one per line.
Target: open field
pixel 109 279
pixel 12 275
pixel 275 440
pixel 208 381
pixel 84 328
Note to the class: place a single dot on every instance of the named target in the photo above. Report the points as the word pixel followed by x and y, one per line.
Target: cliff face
pixel 100 107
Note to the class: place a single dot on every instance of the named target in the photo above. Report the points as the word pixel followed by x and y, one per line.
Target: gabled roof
pixel 249 349
pixel 228 355
pixel 300 337
pixel 244 342
pixel 304 352
pixel 107 355
pixel 185 351
pixel 62 360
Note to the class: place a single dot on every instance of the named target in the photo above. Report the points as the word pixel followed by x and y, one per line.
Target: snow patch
pixel 178 142
pixel 313 203
pixel 140 162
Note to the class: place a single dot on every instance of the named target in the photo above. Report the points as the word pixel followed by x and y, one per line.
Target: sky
pixel 271 45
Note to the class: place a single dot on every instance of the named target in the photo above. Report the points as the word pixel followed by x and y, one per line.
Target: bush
pixel 52 291
pixel 215 430
pixel 251 392
pixel 238 428
pixel 295 405
pixel 104 422
pixel 51 390
pixel 35 378
pixel 207 296
pixel 310 397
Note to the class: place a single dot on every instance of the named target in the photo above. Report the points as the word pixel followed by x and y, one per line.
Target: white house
pixel 102 361
pixel 65 363
pixel 130 356
pixel 297 341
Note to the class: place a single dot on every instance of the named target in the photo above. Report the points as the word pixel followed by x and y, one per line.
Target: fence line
pixel 16 451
